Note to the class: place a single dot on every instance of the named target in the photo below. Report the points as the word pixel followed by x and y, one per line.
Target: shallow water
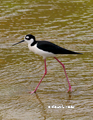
pixel 68 24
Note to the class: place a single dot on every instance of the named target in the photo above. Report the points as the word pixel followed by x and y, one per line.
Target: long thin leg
pixel 70 89
pixel 42 77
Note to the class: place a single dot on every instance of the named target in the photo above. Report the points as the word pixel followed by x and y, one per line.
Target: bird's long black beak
pixel 18 42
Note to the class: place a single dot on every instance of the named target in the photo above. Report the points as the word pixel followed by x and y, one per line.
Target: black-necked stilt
pixel 46 49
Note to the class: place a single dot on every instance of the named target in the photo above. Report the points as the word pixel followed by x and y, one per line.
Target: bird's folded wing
pixel 53 48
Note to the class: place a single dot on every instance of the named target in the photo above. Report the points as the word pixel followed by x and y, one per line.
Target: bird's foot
pixel 70 89
pixel 32 92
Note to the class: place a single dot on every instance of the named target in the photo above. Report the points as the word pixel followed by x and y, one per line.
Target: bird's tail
pixel 65 51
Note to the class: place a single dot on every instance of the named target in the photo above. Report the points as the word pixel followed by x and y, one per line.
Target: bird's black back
pixel 55 49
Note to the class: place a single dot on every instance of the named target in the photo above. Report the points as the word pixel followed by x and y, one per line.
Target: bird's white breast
pixel 40 52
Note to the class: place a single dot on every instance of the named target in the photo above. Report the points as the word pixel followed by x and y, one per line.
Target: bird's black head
pixel 30 39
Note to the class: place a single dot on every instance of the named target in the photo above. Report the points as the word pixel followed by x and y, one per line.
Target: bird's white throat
pixel 30 41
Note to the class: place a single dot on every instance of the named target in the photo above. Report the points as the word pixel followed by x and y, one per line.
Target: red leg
pixel 41 79
pixel 70 89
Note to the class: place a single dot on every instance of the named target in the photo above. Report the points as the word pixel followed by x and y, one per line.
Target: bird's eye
pixel 27 37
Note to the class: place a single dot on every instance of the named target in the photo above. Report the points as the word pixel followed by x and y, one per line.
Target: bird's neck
pixel 32 43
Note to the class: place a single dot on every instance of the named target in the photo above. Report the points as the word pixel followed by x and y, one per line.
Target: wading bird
pixel 46 49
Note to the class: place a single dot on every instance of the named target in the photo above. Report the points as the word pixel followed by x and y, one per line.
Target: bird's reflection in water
pixel 42 109
pixel 69 97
